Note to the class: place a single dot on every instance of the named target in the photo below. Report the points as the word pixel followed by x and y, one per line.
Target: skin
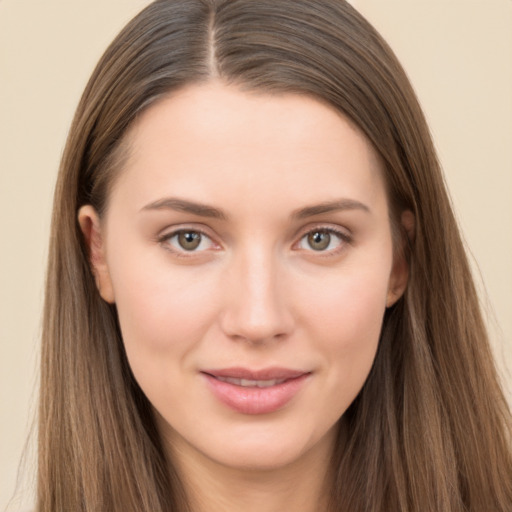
pixel 257 291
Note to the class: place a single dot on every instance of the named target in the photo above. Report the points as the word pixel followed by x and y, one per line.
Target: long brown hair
pixel 430 431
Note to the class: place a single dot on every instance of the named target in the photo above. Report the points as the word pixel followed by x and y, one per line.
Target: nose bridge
pixel 257 309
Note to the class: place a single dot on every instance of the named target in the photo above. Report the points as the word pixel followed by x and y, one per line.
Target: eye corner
pixel 187 242
pixel 327 237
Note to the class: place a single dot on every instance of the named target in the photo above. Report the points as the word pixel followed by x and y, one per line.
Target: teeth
pixel 246 383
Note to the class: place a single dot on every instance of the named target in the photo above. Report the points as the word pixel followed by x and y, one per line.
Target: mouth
pixel 255 391
pixel 247 383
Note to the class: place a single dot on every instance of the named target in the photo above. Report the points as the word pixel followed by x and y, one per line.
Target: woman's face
pixel 247 247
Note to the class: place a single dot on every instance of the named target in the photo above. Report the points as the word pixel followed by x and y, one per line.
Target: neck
pixel 301 486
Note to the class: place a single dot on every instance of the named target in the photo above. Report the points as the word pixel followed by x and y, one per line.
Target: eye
pixel 323 240
pixel 188 240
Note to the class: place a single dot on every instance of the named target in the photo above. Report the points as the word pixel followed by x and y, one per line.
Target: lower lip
pixel 254 400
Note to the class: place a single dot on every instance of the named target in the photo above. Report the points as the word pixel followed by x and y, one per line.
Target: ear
pixel 91 228
pixel 400 271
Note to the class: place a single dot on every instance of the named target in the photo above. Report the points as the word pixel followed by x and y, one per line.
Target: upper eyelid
pixel 340 231
pixel 167 234
pixel 344 235
pixel 165 238
pixel 169 231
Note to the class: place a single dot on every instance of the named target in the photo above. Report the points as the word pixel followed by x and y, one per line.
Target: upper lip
pixel 272 373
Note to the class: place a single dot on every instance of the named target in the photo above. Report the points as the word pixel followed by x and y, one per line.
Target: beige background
pixel 458 54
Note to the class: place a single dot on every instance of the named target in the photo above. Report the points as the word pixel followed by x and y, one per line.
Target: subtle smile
pixel 255 392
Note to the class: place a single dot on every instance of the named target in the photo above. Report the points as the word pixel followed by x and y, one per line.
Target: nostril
pixel 275 329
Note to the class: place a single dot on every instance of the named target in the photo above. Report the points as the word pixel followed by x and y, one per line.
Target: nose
pixel 257 306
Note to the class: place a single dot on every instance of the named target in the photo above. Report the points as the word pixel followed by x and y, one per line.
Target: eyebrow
pixel 183 205
pixel 329 207
pixel 204 210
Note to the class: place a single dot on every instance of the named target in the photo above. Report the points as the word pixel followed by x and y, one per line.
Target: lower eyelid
pixel 167 237
pixel 344 239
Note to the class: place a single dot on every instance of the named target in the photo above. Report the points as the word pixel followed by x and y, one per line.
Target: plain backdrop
pixel 458 54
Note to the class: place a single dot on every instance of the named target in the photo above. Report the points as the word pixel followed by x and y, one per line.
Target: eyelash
pixel 182 253
pixel 344 238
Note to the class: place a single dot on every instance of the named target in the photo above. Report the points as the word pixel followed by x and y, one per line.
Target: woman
pixel 257 294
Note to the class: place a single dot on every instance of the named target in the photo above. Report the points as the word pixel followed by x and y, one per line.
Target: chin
pixel 266 449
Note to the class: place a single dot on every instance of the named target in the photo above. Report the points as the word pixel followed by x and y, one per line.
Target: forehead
pixel 217 140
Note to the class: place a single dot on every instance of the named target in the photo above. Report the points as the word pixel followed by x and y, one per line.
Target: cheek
pixel 353 316
pixel 161 310
pixel 346 323
pixel 350 309
pixel 164 316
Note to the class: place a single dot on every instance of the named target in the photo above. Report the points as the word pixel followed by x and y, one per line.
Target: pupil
pixel 189 240
pixel 319 240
